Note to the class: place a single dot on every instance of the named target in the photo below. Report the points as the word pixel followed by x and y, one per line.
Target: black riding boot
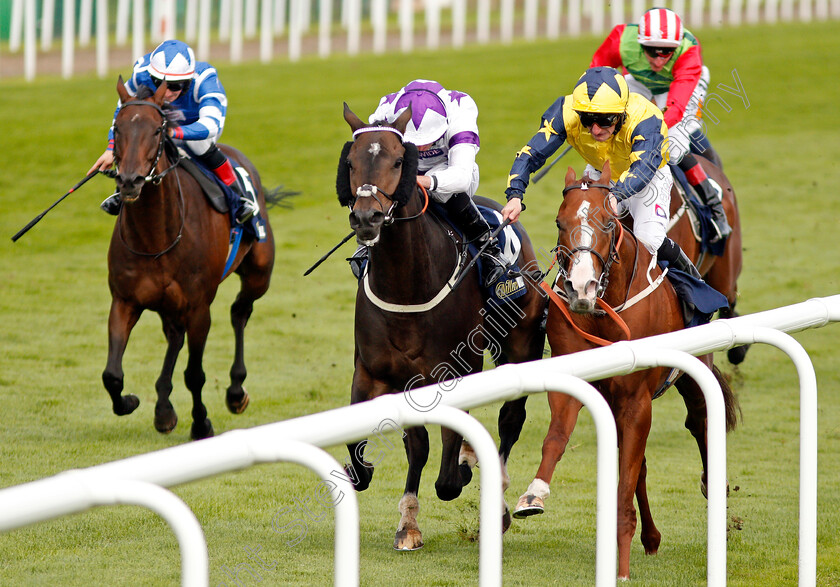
pixel 713 200
pixel 709 195
pixel 464 212
pixel 216 161
pixel 112 204
pixel 671 252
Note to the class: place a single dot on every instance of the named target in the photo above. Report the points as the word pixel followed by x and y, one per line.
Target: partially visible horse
pixel 411 328
pixel 167 255
pixel 719 271
pixel 602 266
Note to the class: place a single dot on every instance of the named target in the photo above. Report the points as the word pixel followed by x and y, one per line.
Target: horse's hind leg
pixel 736 355
pixel 255 275
pixel 121 320
pixel 194 373
pixel 165 417
pixel 695 419
pixel 408 536
pixel 450 481
pixel 650 535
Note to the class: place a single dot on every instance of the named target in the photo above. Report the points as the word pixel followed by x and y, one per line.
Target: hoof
pixel 165 420
pixel 203 430
pixel 465 473
pixel 651 543
pixel 737 354
pixel 360 481
pixel 528 505
pixel 704 488
pixel 506 520
pixel 127 404
pixel 447 492
pixel 406 540
pixel 237 406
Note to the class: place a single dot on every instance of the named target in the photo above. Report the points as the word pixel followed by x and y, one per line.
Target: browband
pixel 377 129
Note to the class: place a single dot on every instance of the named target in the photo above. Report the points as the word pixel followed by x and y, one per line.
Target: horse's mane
pixel 144 92
pixel 405 188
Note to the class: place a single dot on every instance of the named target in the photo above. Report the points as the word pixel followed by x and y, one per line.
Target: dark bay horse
pixel 167 255
pixel 593 250
pixel 721 272
pixel 411 330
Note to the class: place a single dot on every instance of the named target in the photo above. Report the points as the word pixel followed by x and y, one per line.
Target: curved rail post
pixel 807 440
pixel 271 449
pixel 82 490
pixel 650 356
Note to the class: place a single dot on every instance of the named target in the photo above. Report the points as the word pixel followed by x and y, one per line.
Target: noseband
pixel 161 130
pixel 612 256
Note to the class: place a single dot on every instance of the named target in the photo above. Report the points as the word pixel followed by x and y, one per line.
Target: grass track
pixel 780 153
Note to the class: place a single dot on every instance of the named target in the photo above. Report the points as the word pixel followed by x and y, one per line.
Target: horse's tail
pixel 730 400
pixel 279 197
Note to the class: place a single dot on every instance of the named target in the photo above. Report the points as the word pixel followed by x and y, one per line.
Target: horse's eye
pixel 349 164
pixel 398 163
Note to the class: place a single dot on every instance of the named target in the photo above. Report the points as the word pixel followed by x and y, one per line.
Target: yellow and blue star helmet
pixel 600 90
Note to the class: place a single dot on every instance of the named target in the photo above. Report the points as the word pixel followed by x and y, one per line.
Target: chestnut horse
pixel 411 328
pixel 721 272
pixel 602 265
pixel 167 255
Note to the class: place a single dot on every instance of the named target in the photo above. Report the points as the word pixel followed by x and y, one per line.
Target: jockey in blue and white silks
pixel 200 104
pixel 444 127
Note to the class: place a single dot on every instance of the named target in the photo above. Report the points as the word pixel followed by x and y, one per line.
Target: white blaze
pixel 582 272
pixel 374 149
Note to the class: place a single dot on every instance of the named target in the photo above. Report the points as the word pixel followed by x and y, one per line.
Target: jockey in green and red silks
pixel 664 63
pixel 196 117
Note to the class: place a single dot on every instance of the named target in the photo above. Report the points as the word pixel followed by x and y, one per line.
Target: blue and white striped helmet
pixel 173 61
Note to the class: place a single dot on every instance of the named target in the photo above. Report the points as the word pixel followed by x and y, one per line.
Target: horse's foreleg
pixel 564 414
pixel 236 397
pixel 194 373
pixel 633 419
pixel 650 535
pixel 450 481
pixel 408 536
pixel 511 419
pixel 165 417
pixel 359 470
pixel 121 320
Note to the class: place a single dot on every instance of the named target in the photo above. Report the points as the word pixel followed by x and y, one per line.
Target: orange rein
pixel 561 304
pixel 426 194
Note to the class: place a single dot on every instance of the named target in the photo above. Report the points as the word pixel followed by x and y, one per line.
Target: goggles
pixel 178 86
pixel 655 52
pixel 587 119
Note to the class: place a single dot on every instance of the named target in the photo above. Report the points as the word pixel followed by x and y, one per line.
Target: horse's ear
pixel 354 121
pixel 159 94
pixel 605 172
pixel 570 176
pixel 123 93
pixel 402 120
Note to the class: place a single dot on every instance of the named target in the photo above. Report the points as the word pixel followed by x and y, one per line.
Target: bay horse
pixel 721 272
pixel 167 254
pixel 411 328
pixel 602 265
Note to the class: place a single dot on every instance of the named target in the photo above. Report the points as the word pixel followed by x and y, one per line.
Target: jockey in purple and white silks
pixel 200 104
pixel 444 128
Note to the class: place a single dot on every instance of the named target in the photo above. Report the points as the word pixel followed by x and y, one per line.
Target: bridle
pixel 156 178
pixel 371 190
pixel 606 264
pixel 153 177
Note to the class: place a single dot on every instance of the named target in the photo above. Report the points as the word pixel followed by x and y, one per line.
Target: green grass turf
pixel 779 152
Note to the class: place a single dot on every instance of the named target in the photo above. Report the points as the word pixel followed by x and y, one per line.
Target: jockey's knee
pixel 651 235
